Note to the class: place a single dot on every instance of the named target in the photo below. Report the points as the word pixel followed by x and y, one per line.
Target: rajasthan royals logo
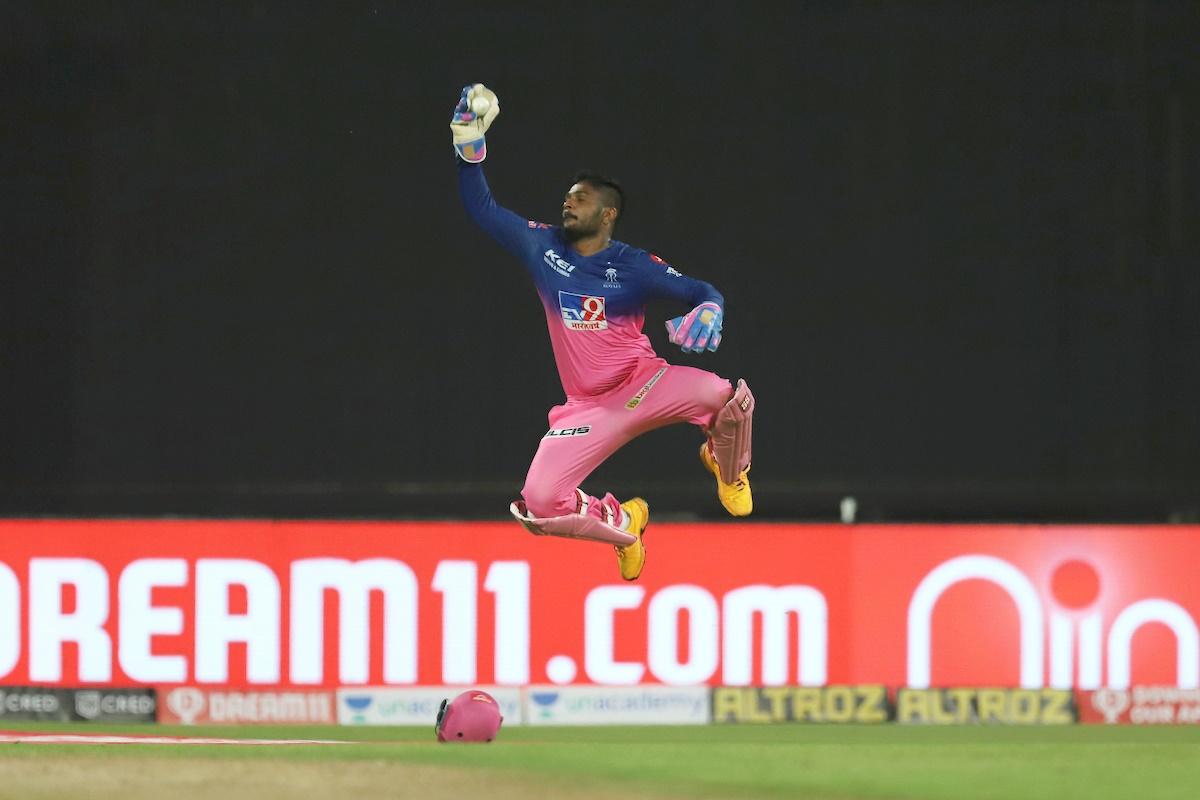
pixel 582 312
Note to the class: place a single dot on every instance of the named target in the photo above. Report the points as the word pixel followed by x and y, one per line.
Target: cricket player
pixel 594 290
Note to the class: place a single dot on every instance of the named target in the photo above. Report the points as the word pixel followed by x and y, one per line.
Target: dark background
pixel 958 244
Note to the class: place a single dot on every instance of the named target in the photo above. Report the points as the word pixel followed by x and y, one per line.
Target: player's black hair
pixel 614 195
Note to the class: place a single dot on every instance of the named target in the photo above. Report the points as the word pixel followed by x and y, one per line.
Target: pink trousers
pixel 583 433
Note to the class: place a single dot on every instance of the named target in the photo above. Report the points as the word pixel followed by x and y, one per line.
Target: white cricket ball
pixel 480 105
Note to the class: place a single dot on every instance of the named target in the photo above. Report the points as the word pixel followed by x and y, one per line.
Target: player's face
pixel 581 212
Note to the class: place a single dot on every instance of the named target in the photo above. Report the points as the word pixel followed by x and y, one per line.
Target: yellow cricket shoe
pixel 736 496
pixel 632 557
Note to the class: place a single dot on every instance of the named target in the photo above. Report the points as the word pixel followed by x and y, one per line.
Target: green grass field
pixel 783 761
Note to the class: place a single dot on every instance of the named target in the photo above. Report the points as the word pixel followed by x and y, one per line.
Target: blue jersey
pixel 595 305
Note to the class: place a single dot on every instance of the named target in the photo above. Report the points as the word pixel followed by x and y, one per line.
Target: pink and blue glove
pixel 467 128
pixel 698 330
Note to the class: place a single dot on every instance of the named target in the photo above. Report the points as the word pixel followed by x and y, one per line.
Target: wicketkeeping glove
pixel 468 127
pixel 698 330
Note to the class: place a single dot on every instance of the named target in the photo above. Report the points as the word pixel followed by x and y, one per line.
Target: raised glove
pixel 468 127
pixel 698 330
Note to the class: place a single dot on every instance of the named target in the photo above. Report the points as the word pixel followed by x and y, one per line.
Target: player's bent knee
pixel 547 501
pixel 719 393
pixel 714 395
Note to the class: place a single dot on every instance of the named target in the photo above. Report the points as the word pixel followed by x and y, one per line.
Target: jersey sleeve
pixel 664 281
pixel 511 230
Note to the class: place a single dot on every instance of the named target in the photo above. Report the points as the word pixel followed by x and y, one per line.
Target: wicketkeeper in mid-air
pixel 594 290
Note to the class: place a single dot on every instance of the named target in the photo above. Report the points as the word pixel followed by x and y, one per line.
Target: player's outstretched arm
pixel 467 130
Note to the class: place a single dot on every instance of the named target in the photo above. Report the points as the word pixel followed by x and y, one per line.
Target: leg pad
pixel 571 526
pixel 730 433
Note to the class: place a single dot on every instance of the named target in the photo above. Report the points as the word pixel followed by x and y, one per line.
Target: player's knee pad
pixel 730 433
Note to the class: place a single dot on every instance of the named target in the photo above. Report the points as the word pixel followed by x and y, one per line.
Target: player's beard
pixel 581 229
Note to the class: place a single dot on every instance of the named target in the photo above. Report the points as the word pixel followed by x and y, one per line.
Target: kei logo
pixel 582 312
pixel 556 262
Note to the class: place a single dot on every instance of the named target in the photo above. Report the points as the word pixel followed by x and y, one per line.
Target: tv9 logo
pixel 582 312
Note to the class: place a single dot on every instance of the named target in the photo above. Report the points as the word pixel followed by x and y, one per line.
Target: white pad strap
pixel 730 434
pixel 571 526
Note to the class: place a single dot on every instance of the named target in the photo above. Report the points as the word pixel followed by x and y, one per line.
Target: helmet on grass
pixel 473 716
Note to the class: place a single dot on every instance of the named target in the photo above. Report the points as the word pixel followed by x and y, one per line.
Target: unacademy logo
pixel 638 702
pixel 546 702
pixel 556 263
pixel 358 705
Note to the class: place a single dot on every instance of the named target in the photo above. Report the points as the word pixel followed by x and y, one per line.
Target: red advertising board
pixel 190 705
pixel 323 604
pixel 1140 705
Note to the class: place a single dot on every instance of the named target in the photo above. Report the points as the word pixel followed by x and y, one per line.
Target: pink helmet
pixel 473 716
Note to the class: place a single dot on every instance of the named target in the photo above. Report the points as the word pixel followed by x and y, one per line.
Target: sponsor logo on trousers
pixel 645 390
pixel 582 430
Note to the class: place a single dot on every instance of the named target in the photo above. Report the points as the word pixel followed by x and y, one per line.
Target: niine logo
pixel 556 263
pixel 1078 588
